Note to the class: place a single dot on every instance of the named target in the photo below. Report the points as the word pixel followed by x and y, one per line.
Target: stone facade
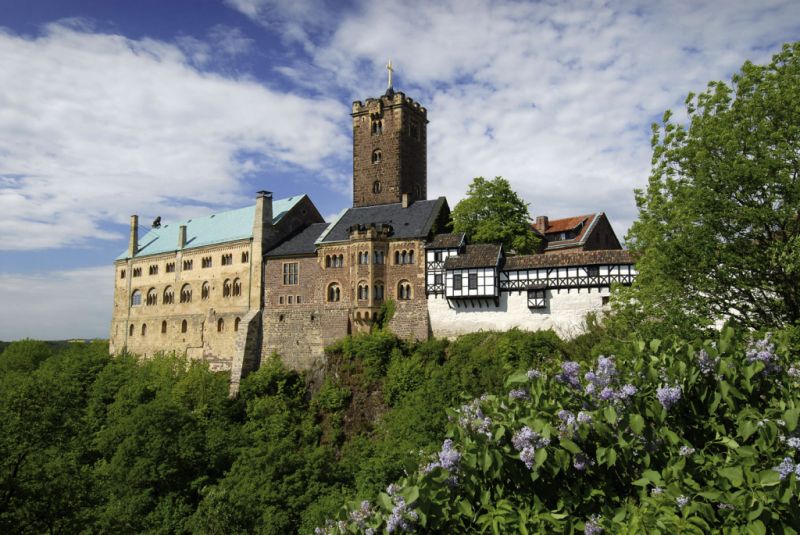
pixel 389 150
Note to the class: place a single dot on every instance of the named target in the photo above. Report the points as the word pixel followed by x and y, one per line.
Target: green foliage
pixel 492 212
pixel 631 463
pixel 24 356
pixel 718 230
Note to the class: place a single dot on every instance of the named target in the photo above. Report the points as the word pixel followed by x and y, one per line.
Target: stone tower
pixel 389 150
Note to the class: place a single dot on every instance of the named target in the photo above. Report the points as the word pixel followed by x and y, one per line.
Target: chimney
pixel 181 236
pixel 541 223
pixel 133 240
pixel 404 198
pixel 264 201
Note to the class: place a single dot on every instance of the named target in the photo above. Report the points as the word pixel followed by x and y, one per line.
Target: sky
pixel 180 108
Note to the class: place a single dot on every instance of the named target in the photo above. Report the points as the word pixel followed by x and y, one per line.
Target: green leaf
pixel 465 508
pixel 610 414
pixel 411 494
pixel 385 501
pixel 733 474
pixel 517 379
pixel 746 429
pixel 569 445
pixel 756 528
pixel 611 456
pixel 790 417
pixel 636 423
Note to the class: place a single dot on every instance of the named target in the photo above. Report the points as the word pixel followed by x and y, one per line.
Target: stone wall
pixel 402 142
pixel 565 313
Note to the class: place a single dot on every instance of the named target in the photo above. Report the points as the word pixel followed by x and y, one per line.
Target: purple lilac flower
pixel 534 374
pixel 797 471
pixel 569 374
pixel 669 395
pixel 794 372
pixel 584 417
pixel 785 468
pixel 682 501
pixel 369 531
pixel 449 457
pixel 342 526
pixel 685 451
pixel 569 423
pixel 471 418
pixel 392 489
pixel 581 462
pixel 793 442
pixel 628 391
pixel 723 505
pixel 706 364
pixel 526 441
pixel 402 518
pixel 764 351
pixel 592 526
pixel 360 515
pixel 656 491
pixel 519 393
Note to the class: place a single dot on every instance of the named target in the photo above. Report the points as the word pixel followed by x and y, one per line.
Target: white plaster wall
pixel 565 313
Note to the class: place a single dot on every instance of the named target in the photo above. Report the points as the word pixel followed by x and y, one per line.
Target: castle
pixel 234 287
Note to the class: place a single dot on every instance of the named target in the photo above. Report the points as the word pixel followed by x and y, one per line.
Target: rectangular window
pixel 438 256
pixel 437 279
pixel 290 273
pixel 472 281
pixel 537 299
pixel 593 271
pixel 457 279
pixel 280 300
pixel 170 267
pixel 291 299
pixel 297 300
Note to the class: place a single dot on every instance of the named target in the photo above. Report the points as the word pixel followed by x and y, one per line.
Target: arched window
pixel 363 291
pixel 378 294
pixel 144 329
pixel 226 288
pixel 397 257
pixel 411 257
pixel 341 260
pixel 184 326
pixel 377 127
pixel 334 293
pixel 376 156
pixel 236 323
pixel 245 257
pixel 205 291
pixel 169 296
pixel 130 331
pixel 220 325
pixel 152 297
pixel 327 261
pixel 377 187
pixel 163 327
pixel 186 293
pixel 404 291
pixel 379 257
pixel 136 298
pixel 404 257
pixel 237 287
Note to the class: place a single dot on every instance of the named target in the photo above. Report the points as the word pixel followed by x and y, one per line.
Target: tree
pixel 493 212
pixel 718 234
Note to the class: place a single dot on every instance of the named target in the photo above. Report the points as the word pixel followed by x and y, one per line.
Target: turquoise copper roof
pixel 223 227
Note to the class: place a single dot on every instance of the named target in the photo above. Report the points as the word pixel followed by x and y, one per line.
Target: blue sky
pixel 181 108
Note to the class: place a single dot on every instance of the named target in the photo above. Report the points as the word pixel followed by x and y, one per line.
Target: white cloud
pixel 57 305
pixel 94 127
pixel 555 96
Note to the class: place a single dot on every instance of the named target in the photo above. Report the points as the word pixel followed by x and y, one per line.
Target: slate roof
pixel 586 258
pixel 446 241
pixel 412 222
pixel 475 256
pixel 223 227
pixel 303 243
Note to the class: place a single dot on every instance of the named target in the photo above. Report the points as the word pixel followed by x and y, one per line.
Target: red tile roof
pixel 568 223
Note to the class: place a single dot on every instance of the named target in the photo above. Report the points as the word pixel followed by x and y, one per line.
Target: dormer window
pixel 376 156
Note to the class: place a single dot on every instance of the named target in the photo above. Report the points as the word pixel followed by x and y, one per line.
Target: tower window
pixel 377 128
pixel 377 187
pixel 376 156
pixel 413 130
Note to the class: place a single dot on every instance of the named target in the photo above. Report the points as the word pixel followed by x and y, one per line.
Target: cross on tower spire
pixel 391 70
